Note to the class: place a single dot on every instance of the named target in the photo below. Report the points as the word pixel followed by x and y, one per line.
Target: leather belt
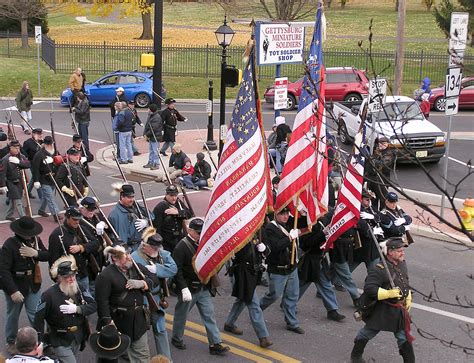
pixel 24 273
pixel 69 329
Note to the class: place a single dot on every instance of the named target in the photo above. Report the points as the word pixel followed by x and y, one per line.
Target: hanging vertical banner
pixel 279 43
pixel 280 101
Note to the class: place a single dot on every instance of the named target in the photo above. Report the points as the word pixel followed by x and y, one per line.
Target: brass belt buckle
pixel 72 329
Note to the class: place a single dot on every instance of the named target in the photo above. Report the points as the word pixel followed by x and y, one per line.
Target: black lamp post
pixel 224 35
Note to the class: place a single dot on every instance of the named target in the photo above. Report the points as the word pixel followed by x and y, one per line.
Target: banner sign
pixel 279 43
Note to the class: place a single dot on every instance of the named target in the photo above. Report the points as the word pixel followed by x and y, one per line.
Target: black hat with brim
pixel 26 226
pixel 109 343
pixel 395 243
pixel 127 190
pixel 74 213
pixel 391 197
pixel 169 101
pixel 172 189
pixel 196 224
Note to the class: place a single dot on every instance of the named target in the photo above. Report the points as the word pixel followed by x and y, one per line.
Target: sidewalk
pixel 192 142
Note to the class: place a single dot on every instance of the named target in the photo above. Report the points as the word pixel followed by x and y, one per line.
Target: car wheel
pixel 344 135
pixel 291 102
pixel 440 104
pixel 353 97
pixel 142 100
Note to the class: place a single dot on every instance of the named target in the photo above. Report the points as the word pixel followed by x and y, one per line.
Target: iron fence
pixel 204 61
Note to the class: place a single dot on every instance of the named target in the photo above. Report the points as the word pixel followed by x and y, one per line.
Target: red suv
pixel 342 84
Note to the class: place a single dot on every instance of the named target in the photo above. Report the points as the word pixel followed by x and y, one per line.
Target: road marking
pixel 460 162
pixel 58 133
pixel 234 350
pixel 241 343
pixel 439 312
pixel 13 108
pixel 443 313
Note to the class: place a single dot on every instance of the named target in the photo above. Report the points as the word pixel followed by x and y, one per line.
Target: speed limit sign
pixel 453 82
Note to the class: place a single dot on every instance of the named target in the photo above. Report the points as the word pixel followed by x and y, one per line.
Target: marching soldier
pixel 86 155
pixel 159 262
pixel 128 218
pixel 283 276
pixel 310 270
pixel 369 221
pixel 393 220
pixel 44 168
pixel 120 300
pixel 20 281
pixel 30 147
pixel 65 307
pixel 170 116
pixel 390 304
pixel 170 214
pixel 11 167
pixel 245 270
pixel 70 238
pixel 192 292
pixel 70 178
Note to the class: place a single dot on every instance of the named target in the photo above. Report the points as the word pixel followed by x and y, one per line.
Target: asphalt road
pixel 408 176
pixel 325 341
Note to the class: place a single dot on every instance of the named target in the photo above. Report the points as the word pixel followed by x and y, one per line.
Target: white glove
pixel 14 160
pixel 365 215
pixel 3 190
pixel 48 160
pixel 99 228
pixel 17 297
pixel 37 185
pixel 68 308
pixel 261 247
pixel 185 120
pixel 187 297
pixel 378 231
pixel 83 159
pixel 399 221
pixel 135 284
pixel 141 224
pixel 294 233
pixel 407 228
pixel 151 267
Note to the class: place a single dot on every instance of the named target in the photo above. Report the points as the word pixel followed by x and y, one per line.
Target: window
pixel 128 79
pixel 140 79
pixel 109 81
pixel 336 78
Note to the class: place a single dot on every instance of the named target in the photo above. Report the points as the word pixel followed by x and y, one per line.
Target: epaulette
pixel 380 266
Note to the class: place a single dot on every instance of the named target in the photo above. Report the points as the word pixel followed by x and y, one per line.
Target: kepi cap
pixel 172 190
pixel 170 100
pixel 66 268
pixel 48 140
pixel 394 243
pixel 76 137
pixel 196 224
pixel 285 209
pixel 391 197
pixel 37 131
pixel 73 151
pixel 89 203
pixel 14 143
pixel 74 213
pixel 127 190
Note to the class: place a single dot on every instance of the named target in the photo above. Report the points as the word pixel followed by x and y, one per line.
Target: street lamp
pixel 224 35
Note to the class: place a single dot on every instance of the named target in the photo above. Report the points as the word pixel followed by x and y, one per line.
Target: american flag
pixel 242 189
pixel 347 212
pixel 305 173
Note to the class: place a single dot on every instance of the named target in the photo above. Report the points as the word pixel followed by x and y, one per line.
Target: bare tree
pixel 22 11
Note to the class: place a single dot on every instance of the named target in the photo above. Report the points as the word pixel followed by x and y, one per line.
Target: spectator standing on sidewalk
pixel 76 84
pixel 119 97
pixel 135 121
pixel 24 101
pixel 122 125
pixel 170 117
pixel 153 133
pixel 82 112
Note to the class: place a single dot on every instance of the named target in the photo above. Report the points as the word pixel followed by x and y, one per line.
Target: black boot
pixel 358 350
pixel 407 353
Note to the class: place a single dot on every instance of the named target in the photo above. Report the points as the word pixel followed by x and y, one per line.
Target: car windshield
pixel 400 111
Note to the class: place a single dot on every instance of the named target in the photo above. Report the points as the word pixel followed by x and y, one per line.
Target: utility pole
pixel 402 9
pixel 157 48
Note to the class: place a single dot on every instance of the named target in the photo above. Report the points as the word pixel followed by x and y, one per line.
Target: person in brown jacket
pixel 75 82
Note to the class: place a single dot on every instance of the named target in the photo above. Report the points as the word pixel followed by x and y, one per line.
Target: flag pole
pixel 295 225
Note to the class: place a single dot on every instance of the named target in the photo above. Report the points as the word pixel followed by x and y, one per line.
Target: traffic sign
pixel 38 34
pixel 280 100
pixel 453 82
pixel 452 105
pixel 458 31
pixel 377 93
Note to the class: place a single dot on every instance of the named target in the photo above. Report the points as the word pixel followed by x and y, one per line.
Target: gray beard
pixel 69 290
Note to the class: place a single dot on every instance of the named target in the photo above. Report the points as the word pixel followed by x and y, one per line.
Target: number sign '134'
pixel 453 82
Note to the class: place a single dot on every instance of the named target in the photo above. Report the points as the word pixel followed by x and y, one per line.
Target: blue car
pixel 137 85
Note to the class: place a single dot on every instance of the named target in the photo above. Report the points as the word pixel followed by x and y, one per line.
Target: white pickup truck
pixel 401 121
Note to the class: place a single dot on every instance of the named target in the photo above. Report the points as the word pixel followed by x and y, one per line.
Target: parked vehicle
pixel 137 85
pixel 401 121
pixel 342 84
pixel 466 96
